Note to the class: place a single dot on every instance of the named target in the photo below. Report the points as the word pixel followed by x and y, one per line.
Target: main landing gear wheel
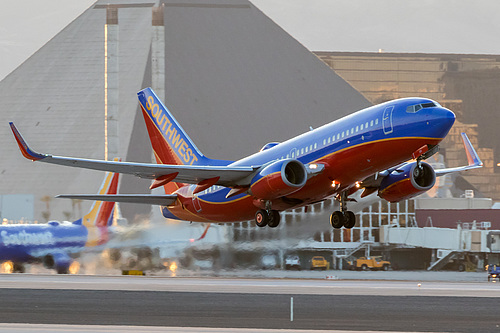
pixel 271 218
pixel 343 217
pixel 349 219
pixel 274 219
pixel 337 220
pixel 261 218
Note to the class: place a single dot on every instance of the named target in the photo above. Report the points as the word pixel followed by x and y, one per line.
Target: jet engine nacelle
pixel 59 261
pixel 279 179
pixel 407 182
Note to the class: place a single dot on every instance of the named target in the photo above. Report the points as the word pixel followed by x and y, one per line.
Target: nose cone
pixel 441 120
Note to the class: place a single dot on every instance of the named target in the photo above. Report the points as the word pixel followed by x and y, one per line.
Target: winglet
pixel 23 146
pixel 472 156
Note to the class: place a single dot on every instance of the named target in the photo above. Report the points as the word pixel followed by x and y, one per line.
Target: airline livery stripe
pixel 170 132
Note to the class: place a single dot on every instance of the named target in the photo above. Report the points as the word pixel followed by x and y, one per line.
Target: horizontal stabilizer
pixel 161 200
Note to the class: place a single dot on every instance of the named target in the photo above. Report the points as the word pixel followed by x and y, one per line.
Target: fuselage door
pixel 196 203
pixel 387 120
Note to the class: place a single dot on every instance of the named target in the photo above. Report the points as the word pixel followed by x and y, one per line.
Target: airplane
pixel 378 149
pixel 53 243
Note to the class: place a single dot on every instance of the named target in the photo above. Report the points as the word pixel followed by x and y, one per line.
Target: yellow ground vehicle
pixel 373 263
pixel 319 262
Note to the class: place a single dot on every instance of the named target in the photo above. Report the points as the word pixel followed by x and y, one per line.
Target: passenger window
pixel 324 142
pixel 376 121
pixel 371 123
pixel 315 145
pixel 338 136
pixel 342 134
pixel 361 126
pixel 352 130
pixel 366 125
pixel 357 129
pixel 307 149
pixel 311 147
pixel 302 151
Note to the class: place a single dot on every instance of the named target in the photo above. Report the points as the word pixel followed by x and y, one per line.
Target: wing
pixel 192 174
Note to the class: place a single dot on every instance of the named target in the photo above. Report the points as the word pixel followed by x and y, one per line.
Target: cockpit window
pixel 417 107
pixel 428 105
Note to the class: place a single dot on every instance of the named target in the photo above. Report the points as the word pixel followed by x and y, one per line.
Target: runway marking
pixel 39 328
pixel 261 286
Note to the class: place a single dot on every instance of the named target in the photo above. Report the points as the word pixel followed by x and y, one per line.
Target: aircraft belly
pixel 345 167
pixel 356 163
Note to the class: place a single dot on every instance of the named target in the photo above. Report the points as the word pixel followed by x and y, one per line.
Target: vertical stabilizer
pixel 171 145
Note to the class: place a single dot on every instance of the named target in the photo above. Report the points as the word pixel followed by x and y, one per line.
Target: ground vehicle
pixel 269 261
pixel 292 262
pixel 319 262
pixel 493 272
pixel 373 263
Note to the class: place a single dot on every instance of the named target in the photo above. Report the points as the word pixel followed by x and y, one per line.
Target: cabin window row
pixel 348 132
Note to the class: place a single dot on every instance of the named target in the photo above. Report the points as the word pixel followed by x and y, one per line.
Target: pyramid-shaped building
pixel 232 77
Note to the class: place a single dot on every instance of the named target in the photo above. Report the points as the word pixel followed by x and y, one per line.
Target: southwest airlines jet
pixel 378 149
pixel 54 242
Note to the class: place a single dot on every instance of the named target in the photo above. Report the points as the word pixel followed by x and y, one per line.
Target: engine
pixel 407 182
pixel 279 179
pixel 59 261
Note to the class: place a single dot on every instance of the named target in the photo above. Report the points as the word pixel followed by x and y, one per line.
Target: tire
pixel 274 219
pixel 349 219
pixel 385 267
pixel 364 267
pixel 261 218
pixel 18 268
pixel 337 219
pixel 63 270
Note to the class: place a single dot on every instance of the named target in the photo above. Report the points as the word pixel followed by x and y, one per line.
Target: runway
pixel 249 304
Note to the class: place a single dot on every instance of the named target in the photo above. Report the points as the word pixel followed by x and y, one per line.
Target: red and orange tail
pixel 171 145
pixel 101 212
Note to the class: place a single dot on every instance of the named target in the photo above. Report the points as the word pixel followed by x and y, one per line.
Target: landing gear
pixel 18 268
pixel 261 218
pixel 337 220
pixel 343 218
pixel 267 217
pixel 349 219
pixel 274 219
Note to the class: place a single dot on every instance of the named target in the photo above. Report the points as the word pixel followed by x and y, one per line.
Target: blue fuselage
pixel 23 243
pixel 351 149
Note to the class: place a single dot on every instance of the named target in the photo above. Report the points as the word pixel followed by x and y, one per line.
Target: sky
pixel 423 26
